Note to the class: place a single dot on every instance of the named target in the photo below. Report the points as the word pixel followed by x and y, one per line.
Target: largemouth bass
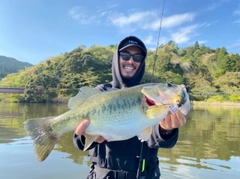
pixel 118 114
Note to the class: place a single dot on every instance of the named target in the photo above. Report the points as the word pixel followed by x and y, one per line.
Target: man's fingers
pixel 100 139
pixel 166 123
pixel 172 121
pixel 181 119
pixel 82 127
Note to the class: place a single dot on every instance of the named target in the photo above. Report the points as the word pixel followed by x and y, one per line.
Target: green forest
pixel 209 74
pixel 11 65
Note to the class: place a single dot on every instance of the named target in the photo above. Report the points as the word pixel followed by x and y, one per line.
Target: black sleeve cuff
pixel 165 132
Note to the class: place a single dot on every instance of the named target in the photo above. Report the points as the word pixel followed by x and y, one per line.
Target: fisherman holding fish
pixel 122 123
pixel 132 158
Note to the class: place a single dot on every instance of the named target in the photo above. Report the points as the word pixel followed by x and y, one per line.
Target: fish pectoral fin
pixel 84 93
pixel 89 139
pixel 154 112
pixel 145 134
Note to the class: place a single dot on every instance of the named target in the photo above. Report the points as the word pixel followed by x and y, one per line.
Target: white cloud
pixel 108 7
pixel 184 34
pixel 132 22
pixel 81 15
pixel 237 21
pixel 235 44
pixel 137 18
pixel 202 41
pixel 214 5
pixel 90 16
pixel 171 21
pixel 148 20
pixel 150 40
pixel 237 13
pixel 177 20
pixel 207 24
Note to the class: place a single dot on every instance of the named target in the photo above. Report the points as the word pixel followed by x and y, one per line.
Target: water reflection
pixel 208 144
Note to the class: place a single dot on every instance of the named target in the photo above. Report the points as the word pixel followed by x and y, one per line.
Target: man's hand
pixel 83 126
pixel 178 119
pixel 172 121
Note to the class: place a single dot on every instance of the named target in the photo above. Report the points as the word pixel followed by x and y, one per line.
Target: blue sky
pixel 33 30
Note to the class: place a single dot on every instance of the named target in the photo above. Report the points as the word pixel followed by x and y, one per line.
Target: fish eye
pixel 170 85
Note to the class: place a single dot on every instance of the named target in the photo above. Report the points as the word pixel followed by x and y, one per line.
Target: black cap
pixel 132 41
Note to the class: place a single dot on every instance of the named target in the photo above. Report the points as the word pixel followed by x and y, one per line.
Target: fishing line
pixel 159 32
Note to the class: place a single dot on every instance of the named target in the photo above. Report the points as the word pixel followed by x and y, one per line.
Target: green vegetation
pixel 10 65
pixel 210 74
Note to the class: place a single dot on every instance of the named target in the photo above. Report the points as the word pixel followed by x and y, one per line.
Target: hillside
pixel 10 65
pixel 205 71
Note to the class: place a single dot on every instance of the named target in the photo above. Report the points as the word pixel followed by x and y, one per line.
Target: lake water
pixel 208 146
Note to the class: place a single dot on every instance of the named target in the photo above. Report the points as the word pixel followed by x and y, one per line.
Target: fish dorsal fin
pixel 85 93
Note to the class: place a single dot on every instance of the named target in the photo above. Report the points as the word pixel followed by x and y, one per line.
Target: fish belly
pixel 120 127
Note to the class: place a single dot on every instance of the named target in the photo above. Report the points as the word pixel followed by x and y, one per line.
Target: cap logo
pixel 132 42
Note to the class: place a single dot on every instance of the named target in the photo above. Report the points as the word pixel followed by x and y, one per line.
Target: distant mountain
pixel 11 65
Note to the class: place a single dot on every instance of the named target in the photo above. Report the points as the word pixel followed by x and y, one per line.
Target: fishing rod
pixel 159 32
pixel 142 161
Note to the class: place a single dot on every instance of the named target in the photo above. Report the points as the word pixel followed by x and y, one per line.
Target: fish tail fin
pixel 44 139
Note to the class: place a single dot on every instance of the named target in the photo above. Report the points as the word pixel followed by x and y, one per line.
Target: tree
pixel 202 69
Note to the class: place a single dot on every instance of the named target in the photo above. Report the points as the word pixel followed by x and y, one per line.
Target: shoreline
pixel 193 103
pixel 204 103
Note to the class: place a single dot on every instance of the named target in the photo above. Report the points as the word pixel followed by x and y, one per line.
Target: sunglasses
pixel 136 57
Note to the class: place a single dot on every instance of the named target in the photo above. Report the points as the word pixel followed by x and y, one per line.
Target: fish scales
pixel 118 114
pixel 98 107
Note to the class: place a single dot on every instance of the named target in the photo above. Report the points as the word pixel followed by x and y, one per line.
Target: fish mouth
pixel 149 101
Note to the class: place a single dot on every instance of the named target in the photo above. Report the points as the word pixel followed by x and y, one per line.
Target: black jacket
pixel 124 155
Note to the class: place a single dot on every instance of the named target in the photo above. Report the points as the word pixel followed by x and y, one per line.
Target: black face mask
pixel 126 79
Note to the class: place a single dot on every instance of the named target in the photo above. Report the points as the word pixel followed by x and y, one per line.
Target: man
pixel 125 159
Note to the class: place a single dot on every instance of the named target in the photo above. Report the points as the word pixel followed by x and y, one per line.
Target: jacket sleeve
pixel 160 139
pixel 79 142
